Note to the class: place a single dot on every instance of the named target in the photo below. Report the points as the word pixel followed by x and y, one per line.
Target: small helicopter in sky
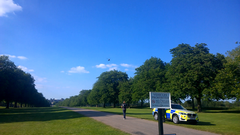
pixel 108 59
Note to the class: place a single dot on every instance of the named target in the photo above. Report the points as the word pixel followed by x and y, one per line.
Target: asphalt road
pixel 136 126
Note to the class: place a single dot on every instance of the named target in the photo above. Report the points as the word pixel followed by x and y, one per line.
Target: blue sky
pixel 65 44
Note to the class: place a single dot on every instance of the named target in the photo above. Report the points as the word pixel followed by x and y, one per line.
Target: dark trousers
pixel 124 114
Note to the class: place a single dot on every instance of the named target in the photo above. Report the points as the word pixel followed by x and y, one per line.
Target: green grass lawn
pixel 50 121
pixel 226 122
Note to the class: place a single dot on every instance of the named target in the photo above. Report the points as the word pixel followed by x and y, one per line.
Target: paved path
pixel 136 126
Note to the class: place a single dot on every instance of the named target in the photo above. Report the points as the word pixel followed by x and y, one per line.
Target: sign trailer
pixel 160 100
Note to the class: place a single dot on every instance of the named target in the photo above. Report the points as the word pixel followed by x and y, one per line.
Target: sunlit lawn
pixel 225 122
pixel 50 121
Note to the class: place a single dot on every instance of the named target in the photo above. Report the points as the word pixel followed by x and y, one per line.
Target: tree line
pixel 17 86
pixel 193 73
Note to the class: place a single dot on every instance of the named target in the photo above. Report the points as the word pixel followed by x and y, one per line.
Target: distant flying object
pixel 108 59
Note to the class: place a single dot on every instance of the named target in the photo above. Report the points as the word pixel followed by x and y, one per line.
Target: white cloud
pixel 62 71
pixel 101 66
pixel 8 6
pixel 25 69
pixel 110 66
pixel 78 69
pixel 128 65
pixel 125 65
pixel 126 69
pixel 13 56
pixel 21 57
pixel 106 66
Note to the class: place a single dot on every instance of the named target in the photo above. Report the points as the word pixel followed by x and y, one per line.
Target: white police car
pixel 177 113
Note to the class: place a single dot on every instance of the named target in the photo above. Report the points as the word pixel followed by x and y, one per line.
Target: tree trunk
pixel 141 103
pixel 199 104
pixel 103 105
pixel 7 106
pixel 15 104
pixel 21 105
pixel 193 106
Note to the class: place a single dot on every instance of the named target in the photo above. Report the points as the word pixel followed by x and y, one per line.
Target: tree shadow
pixel 36 114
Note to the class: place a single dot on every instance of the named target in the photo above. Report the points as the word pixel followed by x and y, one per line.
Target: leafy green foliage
pixel 18 86
pixel 192 71
pixel 125 93
pixel 149 77
pixel 77 100
pixel 227 84
pixel 108 86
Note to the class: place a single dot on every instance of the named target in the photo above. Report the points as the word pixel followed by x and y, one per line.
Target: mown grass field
pixel 50 121
pixel 226 122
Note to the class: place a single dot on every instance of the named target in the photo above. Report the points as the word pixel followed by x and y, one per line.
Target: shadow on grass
pixel 36 114
pixel 205 123
pixel 222 111
pixel 120 113
pixel 217 110
pixel 199 123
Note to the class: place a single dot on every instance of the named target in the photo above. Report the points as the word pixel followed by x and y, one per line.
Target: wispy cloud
pixel 110 66
pixel 106 66
pixel 78 69
pixel 8 6
pixel 62 71
pixel 21 57
pixel 101 66
pixel 128 65
pixel 25 69
pixel 13 56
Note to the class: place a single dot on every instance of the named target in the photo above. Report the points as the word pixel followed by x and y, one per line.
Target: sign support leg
pixel 160 121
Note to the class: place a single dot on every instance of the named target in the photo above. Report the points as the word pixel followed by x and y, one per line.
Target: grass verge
pixel 50 121
pixel 226 122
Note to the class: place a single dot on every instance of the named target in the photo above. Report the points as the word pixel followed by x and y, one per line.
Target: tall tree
pixel 125 91
pixel 227 82
pixel 192 71
pixel 108 86
pixel 94 96
pixel 149 77
pixel 8 80
pixel 18 86
pixel 83 97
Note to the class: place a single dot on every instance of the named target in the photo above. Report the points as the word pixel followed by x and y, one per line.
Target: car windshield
pixel 177 107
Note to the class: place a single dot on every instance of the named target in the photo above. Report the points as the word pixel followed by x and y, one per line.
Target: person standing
pixel 124 108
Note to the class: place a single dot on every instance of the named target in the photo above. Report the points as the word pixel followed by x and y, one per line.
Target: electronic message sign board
pixel 160 100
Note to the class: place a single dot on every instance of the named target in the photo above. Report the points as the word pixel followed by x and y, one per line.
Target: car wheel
pixel 175 119
pixel 156 116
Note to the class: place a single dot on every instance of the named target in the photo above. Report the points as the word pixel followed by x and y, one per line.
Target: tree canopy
pixel 192 71
pixel 149 77
pixel 17 86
